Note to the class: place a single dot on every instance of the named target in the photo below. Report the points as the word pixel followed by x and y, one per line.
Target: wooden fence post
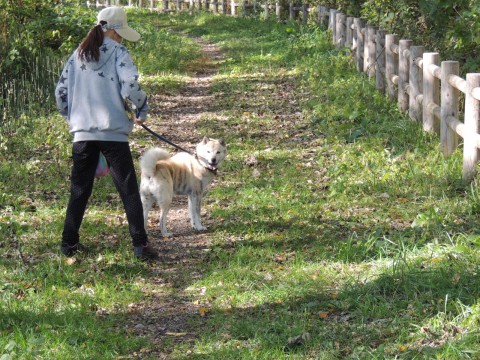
pixel 267 10
pixel 323 16
pixel 349 28
pixel 449 107
pixel 431 93
pixel 354 38
pixel 330 18
pixel 369 51
pixel 391 66
pixel 304 14
pixel 224 7
pixel 340 30
pixel 291 13
pixel 359 25
pixel 415 83
pixel 365 47
pixel 472 127
pixel 233 8
pixel 380 59
pixel 403 67
pixel 278 11
pixel 331 24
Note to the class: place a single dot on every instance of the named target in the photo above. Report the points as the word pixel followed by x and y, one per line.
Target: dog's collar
pixel 206 164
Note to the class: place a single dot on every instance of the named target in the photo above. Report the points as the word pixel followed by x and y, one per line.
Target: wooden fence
pixel 429 90
pixel 425 88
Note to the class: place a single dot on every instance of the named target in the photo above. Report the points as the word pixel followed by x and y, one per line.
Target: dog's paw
pixel 200 228
pixel 167 234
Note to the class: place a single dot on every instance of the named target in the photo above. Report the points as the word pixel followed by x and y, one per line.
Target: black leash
pixel 199 158
pixel 165 140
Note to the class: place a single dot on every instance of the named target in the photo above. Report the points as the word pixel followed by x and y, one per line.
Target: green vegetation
pixel 52 309
pixel 450 27
pixel 335 215
pixel 352 226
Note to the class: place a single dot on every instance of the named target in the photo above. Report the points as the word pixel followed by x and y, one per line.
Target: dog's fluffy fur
pixel 164 175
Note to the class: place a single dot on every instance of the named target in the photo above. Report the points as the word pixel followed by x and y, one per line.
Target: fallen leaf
pixel 70 261
pixel 323 315
pixel 175 333
pixel 202 311
pixel 298 340
pixel 85 289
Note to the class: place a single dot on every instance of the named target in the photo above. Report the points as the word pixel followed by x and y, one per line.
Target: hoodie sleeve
pixel 130 88
pixel 61 91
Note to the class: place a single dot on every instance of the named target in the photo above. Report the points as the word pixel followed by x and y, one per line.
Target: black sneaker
pixel 145 252
pixel 69 250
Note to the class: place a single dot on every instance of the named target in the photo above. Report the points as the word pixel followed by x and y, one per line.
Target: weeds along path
pixel 168 313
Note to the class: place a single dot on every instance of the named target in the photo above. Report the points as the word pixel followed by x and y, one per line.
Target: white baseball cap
pixel 116 19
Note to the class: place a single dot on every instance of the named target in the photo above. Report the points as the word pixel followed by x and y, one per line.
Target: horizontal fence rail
pixel 428 89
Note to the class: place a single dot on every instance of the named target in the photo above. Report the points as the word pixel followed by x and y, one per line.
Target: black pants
pixel 85 160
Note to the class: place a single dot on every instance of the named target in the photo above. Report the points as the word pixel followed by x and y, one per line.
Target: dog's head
pixel 211 152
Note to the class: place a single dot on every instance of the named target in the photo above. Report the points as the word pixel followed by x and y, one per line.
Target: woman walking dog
pixel 92 93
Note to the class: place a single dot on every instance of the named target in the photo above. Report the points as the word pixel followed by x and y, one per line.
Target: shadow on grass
pixel 365 320
pixel 65 331
pixel 282 209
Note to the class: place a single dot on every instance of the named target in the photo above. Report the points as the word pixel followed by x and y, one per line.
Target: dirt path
pixel 168 312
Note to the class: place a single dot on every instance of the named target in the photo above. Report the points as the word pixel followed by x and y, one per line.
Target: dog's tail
pixel 148 162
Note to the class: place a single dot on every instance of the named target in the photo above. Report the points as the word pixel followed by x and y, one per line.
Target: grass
pixel 51 308
pixel 335 216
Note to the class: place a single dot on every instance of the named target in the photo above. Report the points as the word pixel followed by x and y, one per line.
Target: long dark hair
pixel 89 49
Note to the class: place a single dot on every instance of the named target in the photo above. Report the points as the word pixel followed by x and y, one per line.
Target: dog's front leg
pixel 194 204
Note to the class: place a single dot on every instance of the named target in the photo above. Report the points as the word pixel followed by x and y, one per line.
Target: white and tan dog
pixel 164 175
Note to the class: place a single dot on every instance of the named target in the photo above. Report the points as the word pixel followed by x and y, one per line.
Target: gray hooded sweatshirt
pixel 93 96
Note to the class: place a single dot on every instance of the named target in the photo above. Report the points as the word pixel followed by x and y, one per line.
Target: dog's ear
pixel 205 140
pixel 222 142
